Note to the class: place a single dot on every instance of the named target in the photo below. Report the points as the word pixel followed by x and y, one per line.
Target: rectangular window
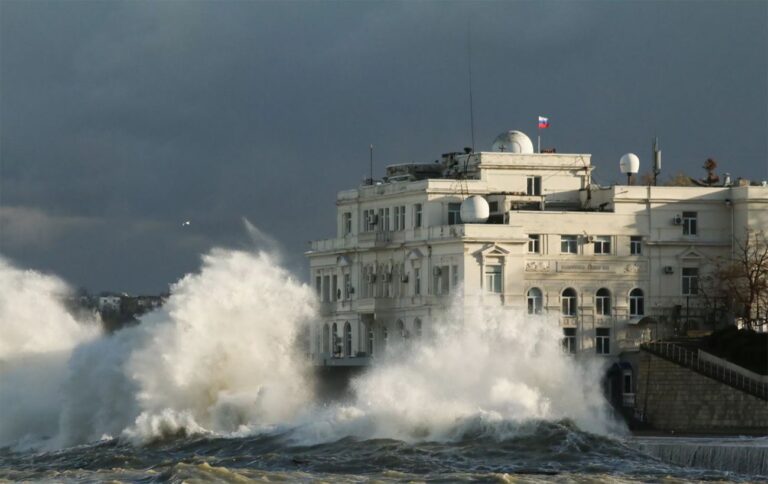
pixel 603 341
pixel 602 244
pixel 319 286
pixel 386 220
pixel 454 213
pixel 346 222
pixel 416 281
pixel 347 286
pixel 417 215
pixel 534 185
pixel 534 243
pixel 689 223
pixel 568 244
pixel 627 383
pixel 690 281
pixel 569 340
pixel 455 275
pixel 493 207
pixel 326 288
pixel 402 218
pixel 366 221
pixel 493 279
pixel 635 245
pixel 396 221
pixel 335 293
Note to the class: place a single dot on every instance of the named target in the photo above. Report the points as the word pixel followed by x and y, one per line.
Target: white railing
pixel 690 359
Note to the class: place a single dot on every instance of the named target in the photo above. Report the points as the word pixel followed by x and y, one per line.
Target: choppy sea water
pixel 538 451
pixel 214 387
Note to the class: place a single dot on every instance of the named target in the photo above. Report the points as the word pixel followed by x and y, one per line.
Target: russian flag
pixel 543 122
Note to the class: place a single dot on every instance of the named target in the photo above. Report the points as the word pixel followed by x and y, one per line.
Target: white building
pixel 617 265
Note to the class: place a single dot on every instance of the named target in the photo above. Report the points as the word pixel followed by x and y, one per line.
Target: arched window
pixel 636 302
pixel 417 327
pixel 347 339
pixel 569 302
pixel 326 339
pixel 335 341
pixel 401 331
pixel 603 302
pixel 535 300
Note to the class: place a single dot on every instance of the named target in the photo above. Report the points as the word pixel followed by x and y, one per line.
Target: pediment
pixel 691 253
pixel 415 254
pixel 493 250
pixel 343 261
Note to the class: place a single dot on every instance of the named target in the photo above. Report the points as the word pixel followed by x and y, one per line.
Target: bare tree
pixel 743 279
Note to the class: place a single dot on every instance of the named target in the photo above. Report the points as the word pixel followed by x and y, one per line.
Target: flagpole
pixel 538 143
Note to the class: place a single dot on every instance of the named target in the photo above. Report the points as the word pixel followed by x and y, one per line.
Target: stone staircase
pixel 680 353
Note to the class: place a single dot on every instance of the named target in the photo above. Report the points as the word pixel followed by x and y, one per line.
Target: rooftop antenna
pixel 656 160
pixel 469 67
pixel 371 161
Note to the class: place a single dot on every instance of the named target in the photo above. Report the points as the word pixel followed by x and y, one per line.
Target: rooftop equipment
pixel 629 164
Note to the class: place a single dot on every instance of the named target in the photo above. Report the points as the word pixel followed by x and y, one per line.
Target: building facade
pixel 617 265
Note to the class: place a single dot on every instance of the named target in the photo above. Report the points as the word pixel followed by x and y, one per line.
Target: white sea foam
pixel 482 367
pixel 221 358
pixel 37 336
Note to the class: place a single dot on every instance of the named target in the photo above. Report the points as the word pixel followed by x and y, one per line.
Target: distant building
pixel 109 303
pixel 617 265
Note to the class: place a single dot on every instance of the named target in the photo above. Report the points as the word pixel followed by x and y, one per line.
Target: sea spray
pixel 38 336
pixel 482 368
pixel 219 357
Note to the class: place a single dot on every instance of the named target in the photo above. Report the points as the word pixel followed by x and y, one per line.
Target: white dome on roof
pixel 474 210
pixel 513 142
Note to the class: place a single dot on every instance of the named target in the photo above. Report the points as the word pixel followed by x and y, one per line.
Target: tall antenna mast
pixel 469 66
pixel 371 160
pixel 656 160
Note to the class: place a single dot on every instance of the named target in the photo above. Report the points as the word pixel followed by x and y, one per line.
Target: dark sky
pixel 121 120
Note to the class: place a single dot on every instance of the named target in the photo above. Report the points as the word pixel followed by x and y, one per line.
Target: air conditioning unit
pixel 669 270
pixel 590 239
pixel 677 220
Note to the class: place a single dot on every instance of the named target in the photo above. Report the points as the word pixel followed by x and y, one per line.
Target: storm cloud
pixel 121 120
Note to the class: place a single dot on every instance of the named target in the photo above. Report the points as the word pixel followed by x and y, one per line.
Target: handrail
pixel 689 359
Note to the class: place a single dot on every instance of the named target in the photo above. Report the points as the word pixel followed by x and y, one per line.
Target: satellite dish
pixel 630 165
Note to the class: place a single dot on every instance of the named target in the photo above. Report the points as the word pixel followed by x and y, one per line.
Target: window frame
pixel 535 302
pixel 493 276
pixel 534 243
pixel 454 213
pixel 636 302
pixel 603 341
pixel 690 223
pixel 572 302
pixel 603 302
pixel 602 245
pixel 635 245
pixel 569 340
pixel 417 212
pixel 533 185
pixel 690 282
pixel 567 242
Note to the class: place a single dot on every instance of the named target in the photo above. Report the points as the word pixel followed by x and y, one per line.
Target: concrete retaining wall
pixel 672 397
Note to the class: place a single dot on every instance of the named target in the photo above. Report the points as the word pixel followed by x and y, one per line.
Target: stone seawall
pixel 674 398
